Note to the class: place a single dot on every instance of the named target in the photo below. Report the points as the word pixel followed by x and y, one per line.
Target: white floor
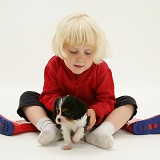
pixel 126 147
pixel 132 29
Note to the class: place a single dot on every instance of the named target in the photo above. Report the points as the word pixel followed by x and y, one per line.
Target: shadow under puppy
pixel 71 116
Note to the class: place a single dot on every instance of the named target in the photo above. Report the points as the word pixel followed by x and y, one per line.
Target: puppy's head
pixel 68 108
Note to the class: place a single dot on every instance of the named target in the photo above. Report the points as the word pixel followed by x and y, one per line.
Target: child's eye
pixel 74 52
pixel 88 53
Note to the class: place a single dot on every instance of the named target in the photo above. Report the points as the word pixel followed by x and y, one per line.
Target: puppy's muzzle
pixel 62 120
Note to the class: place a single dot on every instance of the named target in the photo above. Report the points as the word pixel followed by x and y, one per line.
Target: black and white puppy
pixel 71 115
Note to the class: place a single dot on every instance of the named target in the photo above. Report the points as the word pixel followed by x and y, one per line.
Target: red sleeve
pixel 50 89
pixel 104 96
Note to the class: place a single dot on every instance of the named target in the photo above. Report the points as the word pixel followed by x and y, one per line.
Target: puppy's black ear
pixel 79 109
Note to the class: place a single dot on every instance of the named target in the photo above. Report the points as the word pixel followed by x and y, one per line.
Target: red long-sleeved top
pixel 94 86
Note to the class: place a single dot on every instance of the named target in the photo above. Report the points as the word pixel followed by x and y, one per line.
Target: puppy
pixel 71 115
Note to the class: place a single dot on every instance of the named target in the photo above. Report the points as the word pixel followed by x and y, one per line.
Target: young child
pixel 77 69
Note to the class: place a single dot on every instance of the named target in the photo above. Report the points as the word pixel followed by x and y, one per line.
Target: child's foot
pixel 102 136
pixel 100 140
pixel 49 132
pixel 47 136
pixel 8 127
pixel 143 127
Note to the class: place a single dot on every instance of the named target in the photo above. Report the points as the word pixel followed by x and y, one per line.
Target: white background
pixel 132 28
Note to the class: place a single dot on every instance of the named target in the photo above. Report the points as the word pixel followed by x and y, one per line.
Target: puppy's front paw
pixel 76 139
pixel 66 147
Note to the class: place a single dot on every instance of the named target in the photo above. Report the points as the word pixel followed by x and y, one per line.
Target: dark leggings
pixel 30 98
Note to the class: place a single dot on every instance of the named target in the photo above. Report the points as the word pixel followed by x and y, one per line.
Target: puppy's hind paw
pixel 66 147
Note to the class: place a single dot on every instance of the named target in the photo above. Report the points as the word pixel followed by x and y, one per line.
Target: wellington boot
pixel 143 127
pixel 8 127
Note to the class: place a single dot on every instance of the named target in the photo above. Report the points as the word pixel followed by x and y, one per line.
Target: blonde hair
pixel 80 29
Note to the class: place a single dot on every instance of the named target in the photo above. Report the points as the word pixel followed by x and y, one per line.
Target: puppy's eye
pixel 57 111
pixel 67 113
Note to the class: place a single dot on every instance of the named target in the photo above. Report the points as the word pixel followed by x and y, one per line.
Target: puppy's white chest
pixel 75 124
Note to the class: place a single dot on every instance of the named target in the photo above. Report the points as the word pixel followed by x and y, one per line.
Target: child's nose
pixel 80 58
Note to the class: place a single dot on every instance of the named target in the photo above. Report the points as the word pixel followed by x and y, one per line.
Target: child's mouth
pixel 78 66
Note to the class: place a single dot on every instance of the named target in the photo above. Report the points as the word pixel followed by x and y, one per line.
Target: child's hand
pixel 92 121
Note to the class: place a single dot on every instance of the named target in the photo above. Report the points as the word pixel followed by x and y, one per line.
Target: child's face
pixel 79 58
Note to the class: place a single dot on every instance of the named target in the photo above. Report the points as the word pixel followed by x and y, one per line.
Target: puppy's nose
pixel 59 120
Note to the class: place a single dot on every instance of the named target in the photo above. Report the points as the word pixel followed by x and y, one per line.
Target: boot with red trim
pixel 9 128
pixel 143 127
